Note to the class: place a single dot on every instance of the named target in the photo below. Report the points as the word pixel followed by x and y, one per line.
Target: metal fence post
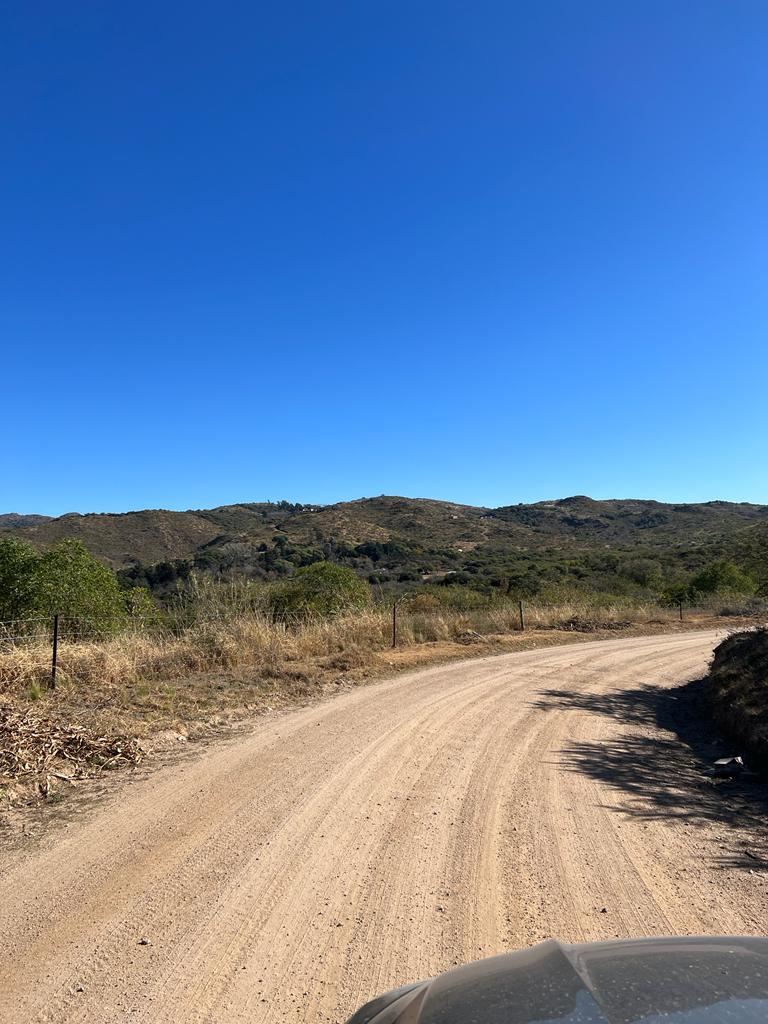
pixel 55 651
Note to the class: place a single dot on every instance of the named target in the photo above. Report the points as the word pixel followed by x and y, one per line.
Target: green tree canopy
pixel 71 582
pixel 720 578
pixel 320 589
pixel 17 566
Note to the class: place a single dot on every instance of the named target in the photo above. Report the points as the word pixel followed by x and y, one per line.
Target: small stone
pixel 144 942
pixel 604 910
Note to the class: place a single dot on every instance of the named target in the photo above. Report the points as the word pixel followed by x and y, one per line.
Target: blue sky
pixel 487 252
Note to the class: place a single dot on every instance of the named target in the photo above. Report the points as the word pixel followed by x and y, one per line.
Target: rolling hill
pixel 395 540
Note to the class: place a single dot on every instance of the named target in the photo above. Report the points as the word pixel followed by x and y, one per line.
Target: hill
pixel 615 544
pixel 153 535
pixel 13 521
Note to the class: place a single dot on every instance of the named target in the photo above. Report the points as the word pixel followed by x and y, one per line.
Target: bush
pixel 140 607
pixel 446 597
pixel 17 565
pixel 424 602
pixel 322 589
pixel 67 580
pixel 720 578
pixel 456 579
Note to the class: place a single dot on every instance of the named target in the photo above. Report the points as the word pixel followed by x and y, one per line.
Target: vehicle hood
pixel 646 981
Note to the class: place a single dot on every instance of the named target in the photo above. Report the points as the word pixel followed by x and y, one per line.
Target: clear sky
pixel 488 252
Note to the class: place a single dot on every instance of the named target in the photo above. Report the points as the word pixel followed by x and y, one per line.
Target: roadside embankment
pixel 738 687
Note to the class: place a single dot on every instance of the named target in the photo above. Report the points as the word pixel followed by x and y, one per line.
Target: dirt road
pixel 381 837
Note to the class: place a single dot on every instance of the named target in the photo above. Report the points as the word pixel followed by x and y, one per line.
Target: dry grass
pixel 253 639
pixel 144 681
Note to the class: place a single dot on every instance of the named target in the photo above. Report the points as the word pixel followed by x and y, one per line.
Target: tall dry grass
pixel 250 637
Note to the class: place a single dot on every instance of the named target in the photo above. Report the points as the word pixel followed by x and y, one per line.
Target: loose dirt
pixel 381 837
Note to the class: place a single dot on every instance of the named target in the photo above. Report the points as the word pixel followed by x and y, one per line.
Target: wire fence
pixel 42 636
pixel 52 630
pixel 81 630
pixel 71 629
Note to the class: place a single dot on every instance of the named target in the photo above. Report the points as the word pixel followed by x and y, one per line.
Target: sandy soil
pixel 381 837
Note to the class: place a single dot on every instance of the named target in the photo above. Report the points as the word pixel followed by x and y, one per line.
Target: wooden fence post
pixel 522 617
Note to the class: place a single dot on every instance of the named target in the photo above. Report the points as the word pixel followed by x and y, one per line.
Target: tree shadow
pixel 663 776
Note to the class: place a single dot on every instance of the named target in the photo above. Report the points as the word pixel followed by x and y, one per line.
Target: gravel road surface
pixel 381 837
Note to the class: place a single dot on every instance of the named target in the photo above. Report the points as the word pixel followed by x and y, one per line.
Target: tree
pixel 676 593
pixel 721 578
pixel 17 566
pixel 320 589
pixel 69 581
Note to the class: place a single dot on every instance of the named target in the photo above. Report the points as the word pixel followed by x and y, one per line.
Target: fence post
pixel 681 611
pixel 522 617
pixel 55 651
pixel 394 623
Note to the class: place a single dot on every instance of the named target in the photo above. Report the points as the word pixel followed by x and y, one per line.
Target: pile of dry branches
pixel 36 749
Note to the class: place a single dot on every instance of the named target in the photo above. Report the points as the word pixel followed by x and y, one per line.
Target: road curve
pixel 381 837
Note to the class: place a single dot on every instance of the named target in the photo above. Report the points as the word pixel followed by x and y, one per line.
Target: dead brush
pixel 37 749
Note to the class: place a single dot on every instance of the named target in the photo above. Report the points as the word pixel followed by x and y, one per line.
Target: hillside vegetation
pixel 621 547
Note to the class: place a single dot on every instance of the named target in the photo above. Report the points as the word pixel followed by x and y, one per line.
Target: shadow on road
pixel 664 775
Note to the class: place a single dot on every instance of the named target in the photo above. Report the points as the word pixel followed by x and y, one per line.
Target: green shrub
pixel 17 566
pixel 140 606
pixel 721 578
pixel 67 580
pixel 322 589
